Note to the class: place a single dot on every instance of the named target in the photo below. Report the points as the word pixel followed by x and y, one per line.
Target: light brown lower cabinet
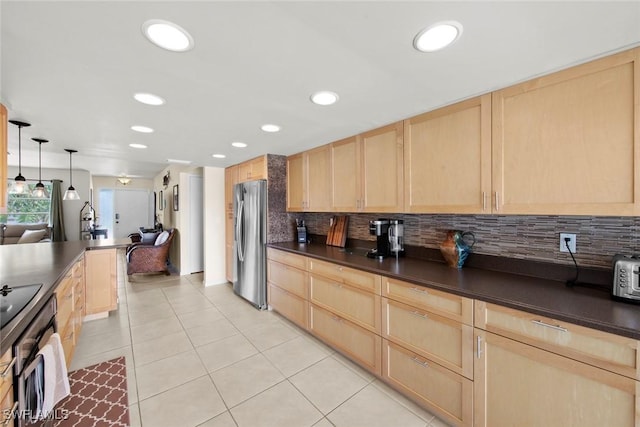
pixel 361 345
pixel 292 307
pixel 517 384
pixel 447 394
pixel 6 390
pixel 101 284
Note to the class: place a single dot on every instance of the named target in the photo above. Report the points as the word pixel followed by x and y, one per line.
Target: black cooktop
pixel 14 299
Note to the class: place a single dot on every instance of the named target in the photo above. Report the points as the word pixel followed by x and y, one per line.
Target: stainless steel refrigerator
pixel 250 238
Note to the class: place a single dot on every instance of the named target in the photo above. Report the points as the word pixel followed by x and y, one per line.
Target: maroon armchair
pixel 150 258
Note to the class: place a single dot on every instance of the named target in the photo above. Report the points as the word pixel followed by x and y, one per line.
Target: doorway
pixel 124 211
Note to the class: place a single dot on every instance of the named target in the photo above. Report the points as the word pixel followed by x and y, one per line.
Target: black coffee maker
pixel 380 229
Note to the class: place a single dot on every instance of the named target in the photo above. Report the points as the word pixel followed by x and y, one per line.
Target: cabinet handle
pixel 337 319
pixel 478 346
pixel 7 368
pixel 484 201
pixel 546 325
pixel 7 421
pixel 69 296
pixel 419 362
pixel 69 337
pixel 358 204
pixel 420 290
pixel 417 313
pixel 497 202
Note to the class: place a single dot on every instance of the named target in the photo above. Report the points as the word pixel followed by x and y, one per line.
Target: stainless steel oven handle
pixel 8 367
pixel 7 421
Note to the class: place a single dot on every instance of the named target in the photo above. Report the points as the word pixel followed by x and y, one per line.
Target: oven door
pixel 28 375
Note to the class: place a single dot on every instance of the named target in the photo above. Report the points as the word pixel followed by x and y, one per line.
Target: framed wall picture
pixel 161 200
pixel 176 205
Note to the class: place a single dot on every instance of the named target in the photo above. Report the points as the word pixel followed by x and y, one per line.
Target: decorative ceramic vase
pixel 455 249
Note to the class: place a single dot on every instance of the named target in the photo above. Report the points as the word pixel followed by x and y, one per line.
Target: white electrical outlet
pixel 572 242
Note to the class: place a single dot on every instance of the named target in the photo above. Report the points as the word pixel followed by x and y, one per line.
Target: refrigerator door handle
pixel 239 237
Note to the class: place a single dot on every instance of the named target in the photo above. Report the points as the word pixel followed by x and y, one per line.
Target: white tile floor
pixel 201 356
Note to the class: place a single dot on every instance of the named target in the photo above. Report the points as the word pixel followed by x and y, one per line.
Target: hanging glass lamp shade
pixel 40 191
pixel 71 193
pixel 19 185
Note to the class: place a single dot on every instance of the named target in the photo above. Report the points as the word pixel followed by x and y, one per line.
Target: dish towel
pixel 56 379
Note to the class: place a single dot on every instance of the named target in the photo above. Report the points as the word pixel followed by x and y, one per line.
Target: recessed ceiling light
pixel 437 36
pixel 219 156
pixel 239 144
pixel 143 129
pixel 149 99
pixel 270 128
pixel 137 146
pixel 324 97
pixel 167 35
pixel 182 162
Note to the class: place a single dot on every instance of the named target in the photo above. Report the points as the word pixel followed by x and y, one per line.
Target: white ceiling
pixel 71 69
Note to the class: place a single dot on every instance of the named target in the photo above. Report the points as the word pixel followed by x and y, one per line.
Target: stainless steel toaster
pixel 626 277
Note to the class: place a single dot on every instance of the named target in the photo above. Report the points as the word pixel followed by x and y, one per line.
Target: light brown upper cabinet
pixel 253 169
pixel 346 175
pixel 381 169
pixel 568 142
pixel 447 159
pixel 309 180
pixel 3 158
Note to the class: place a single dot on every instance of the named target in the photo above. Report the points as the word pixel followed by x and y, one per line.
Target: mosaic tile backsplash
pixel 533 237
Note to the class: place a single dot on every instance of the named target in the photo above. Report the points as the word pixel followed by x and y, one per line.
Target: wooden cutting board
pixel 337 234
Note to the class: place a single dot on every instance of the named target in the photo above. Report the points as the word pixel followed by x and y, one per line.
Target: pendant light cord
pixel 19 150
pixel 70 181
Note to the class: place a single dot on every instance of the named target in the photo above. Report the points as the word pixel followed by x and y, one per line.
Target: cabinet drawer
pixel 360 279
pixel 290 306
pixel 361 345
pixel 608 351
pixel 361 307
pixel 288 258
pixel 443 340
pixel 77 271
pixel 448 305
pixel 68 339
pixel 7 380
pixel 447 394
pixel 289 278
pixel 64 300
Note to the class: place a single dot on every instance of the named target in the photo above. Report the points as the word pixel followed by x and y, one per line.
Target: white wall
pixel 70 208
pixel 214 226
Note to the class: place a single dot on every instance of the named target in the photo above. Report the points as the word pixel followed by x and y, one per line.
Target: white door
pixel 196 224
pixel 131 210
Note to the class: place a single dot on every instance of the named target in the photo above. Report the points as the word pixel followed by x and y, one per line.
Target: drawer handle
pixel 69 337
pixel 419 290
pixel 69 296
pixel 10 416
pixel 478 346
pixel 419 362
pixel 417 313
pixel 337 285
pixel 337 319
pixel 7 368
pixel 546 325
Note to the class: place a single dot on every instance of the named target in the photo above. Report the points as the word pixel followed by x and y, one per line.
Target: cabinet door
pixel 252 169
pixel 101 281
pixel 296 182
pixel 230 180
pixel 447 159
pixel 229 236
pixel 448 395
pixel 382 169
pixel 520 385
pixel 345 173
pixel 291 279
pixel 289 305
pixel 567 143
pixel 319 179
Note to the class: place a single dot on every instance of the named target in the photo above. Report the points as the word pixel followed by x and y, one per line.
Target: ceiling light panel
pixel 182 162
pixel 219 156
pixel 324 97
pixel 437 36
pixel 167 35
pixel 270 128
pixel 238 144
pixel 142 129
pixel 140 146
pixel 149 99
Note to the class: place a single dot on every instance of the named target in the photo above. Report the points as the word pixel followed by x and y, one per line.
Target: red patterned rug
pixel 98 397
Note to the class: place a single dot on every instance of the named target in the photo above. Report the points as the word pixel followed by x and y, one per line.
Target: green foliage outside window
pixel 24 208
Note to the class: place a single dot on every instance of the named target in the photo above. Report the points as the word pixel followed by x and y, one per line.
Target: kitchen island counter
pixel 587 307
pixel 45 263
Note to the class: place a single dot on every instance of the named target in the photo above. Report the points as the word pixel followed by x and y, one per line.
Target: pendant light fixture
pixel 71 193
pixel 19 185
pixel 40 191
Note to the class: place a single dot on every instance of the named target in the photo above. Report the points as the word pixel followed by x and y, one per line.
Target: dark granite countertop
pixel 592 308
pixel 45 263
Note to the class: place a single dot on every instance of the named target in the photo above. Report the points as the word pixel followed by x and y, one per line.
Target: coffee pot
pixel 396 237
pixel 380 229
